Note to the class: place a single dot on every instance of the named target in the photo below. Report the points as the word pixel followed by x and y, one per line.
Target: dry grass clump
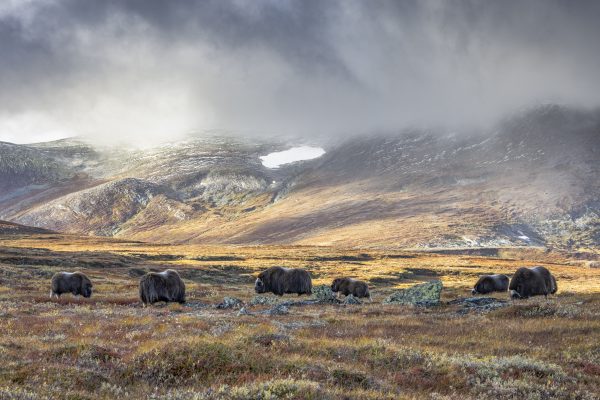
pixel 182 362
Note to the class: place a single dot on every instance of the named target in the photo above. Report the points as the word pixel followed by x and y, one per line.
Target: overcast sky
pixel 148 70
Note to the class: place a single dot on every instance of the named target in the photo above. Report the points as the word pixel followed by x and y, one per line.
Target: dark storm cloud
pixel 129 69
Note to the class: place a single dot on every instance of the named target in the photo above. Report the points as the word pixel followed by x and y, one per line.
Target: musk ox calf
pixel 164 286
pixel 351 286
pixel 279 280
pixel 491 283
pixel 75 283
pixel 535 281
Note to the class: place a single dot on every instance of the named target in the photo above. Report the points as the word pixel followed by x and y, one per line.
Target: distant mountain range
pixel 531 181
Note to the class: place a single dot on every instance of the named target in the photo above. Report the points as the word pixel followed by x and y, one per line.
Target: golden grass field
pixel 109 347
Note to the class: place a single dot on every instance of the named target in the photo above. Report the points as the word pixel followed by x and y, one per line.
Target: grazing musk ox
pixel 351 286
pixel 279 280
pixel 491 283
pixel 164 286
pixel 75 283
pixel 535 281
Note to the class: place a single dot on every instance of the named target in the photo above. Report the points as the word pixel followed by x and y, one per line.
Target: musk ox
pixel 75 283
pixel 279 280
pixel 164 286
pixel 351 286
pixel 535 281
pixel 491 283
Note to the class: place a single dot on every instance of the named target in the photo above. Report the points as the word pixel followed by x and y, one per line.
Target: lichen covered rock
pixel 324 294
pixel 264 300
pixel 425 294
pixel 230 302
pixel 350 299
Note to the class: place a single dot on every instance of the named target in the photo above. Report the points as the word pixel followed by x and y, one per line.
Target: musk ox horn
pixel 279 280
pixel 75 283
pixel 164 286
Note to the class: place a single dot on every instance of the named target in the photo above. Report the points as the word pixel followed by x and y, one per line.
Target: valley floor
pixel 110 347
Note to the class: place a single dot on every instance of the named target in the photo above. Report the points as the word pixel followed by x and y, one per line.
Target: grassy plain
pixel 110 347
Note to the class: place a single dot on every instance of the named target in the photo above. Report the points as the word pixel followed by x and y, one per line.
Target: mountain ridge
pixel 530 182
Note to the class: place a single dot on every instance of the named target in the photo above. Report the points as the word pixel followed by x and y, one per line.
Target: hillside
pixel 531 181
pixel 10 228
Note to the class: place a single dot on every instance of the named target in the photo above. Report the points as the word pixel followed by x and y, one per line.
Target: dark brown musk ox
pixel 491 283
pixel 164 286
pixel 75 283
pixel 351 286
pixel 279 280
pixel 535 281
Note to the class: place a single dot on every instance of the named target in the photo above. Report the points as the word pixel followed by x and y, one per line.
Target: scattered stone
pixel 324 294
pixel 244 311
pixel 425 294
pixel 280 309
pixel 350 299
pixel 594 264
pixel 479 304
pixel 230 302
pixel 264 300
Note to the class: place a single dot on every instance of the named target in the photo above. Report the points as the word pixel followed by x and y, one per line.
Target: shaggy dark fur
pixel 491 283
pixel 75 283
pixel 535 281
pixel 351 286
pixel 279 280
pixel 164 286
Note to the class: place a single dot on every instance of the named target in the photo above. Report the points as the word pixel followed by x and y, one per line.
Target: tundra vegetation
pixel 108 346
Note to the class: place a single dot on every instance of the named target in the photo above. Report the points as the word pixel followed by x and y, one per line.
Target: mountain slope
pixel 10 228
pixel 530 182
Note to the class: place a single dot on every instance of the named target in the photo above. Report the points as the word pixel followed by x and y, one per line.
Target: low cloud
pixel 147 71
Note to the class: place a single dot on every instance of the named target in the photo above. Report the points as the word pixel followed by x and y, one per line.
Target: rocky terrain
pixel 530 181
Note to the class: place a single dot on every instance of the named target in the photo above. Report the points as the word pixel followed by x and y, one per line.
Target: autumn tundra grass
pixel 110 347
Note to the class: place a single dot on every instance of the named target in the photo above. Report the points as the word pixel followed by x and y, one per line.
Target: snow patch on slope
pixel 300 153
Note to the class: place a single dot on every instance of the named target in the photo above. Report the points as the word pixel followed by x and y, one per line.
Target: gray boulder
pixel 230 302
pixel 280 309
pixel 478 304
pixel 324 294
pixel 425 294
pixel 264 300
pixel 350 299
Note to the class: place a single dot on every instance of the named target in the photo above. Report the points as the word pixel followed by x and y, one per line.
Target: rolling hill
pixel 532 180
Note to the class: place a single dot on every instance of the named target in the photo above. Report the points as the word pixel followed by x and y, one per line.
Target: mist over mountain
pixel 530 181
pixel 146 72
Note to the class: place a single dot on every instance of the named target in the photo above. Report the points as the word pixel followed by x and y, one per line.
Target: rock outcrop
pixel 425 294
